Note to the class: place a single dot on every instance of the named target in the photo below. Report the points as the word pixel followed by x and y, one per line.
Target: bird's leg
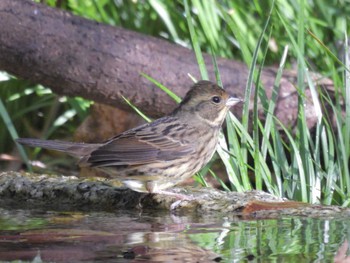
pixel 180 198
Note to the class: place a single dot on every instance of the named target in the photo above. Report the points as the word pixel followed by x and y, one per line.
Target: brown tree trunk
pixel 78 57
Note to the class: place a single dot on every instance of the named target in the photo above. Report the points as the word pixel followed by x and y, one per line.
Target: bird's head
pixel 208 102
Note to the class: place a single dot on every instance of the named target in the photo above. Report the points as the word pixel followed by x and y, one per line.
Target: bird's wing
pixel 146 144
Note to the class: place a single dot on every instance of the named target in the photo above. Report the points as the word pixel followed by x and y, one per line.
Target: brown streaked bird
pixel 158 155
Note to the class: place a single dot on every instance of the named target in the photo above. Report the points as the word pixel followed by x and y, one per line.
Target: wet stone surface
pixel 73 193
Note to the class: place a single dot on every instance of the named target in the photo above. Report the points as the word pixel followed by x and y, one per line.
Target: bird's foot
pixel 180 198
pixel 175 205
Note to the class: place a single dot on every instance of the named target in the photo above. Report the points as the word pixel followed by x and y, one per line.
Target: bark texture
pixel 78 57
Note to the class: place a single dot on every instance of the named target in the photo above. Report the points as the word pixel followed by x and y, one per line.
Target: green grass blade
pixel 195 43
pixel 162 11
pixel 256 126
pixel 302 131
pixel 345 148
pixel 347 96
pixel 329 52
pixel 206 16
pixel 231 20
pixel 12 130
pixel 222 183
pixel 137 110
pixel 249 86
pixel 216 69
pixel 272 103
pixel 299 164
pixel 230 169
pixel 162 87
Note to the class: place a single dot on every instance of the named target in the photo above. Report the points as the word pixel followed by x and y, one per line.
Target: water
pixel 125 236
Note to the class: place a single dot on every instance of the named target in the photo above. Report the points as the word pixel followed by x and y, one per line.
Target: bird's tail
pixel 72 148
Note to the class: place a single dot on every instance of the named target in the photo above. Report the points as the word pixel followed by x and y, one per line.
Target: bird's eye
pixel 216 99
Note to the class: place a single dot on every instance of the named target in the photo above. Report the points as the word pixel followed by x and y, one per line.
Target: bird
pixel 161 154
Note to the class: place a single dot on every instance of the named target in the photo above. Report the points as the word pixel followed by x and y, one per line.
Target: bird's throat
pixel 213 121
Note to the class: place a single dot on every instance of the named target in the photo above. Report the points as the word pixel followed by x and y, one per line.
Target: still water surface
pixel 124 236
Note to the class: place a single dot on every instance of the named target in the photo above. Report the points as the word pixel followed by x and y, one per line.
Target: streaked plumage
pixel 161 154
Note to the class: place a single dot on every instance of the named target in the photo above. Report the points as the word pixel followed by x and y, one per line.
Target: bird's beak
pixel 233 101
